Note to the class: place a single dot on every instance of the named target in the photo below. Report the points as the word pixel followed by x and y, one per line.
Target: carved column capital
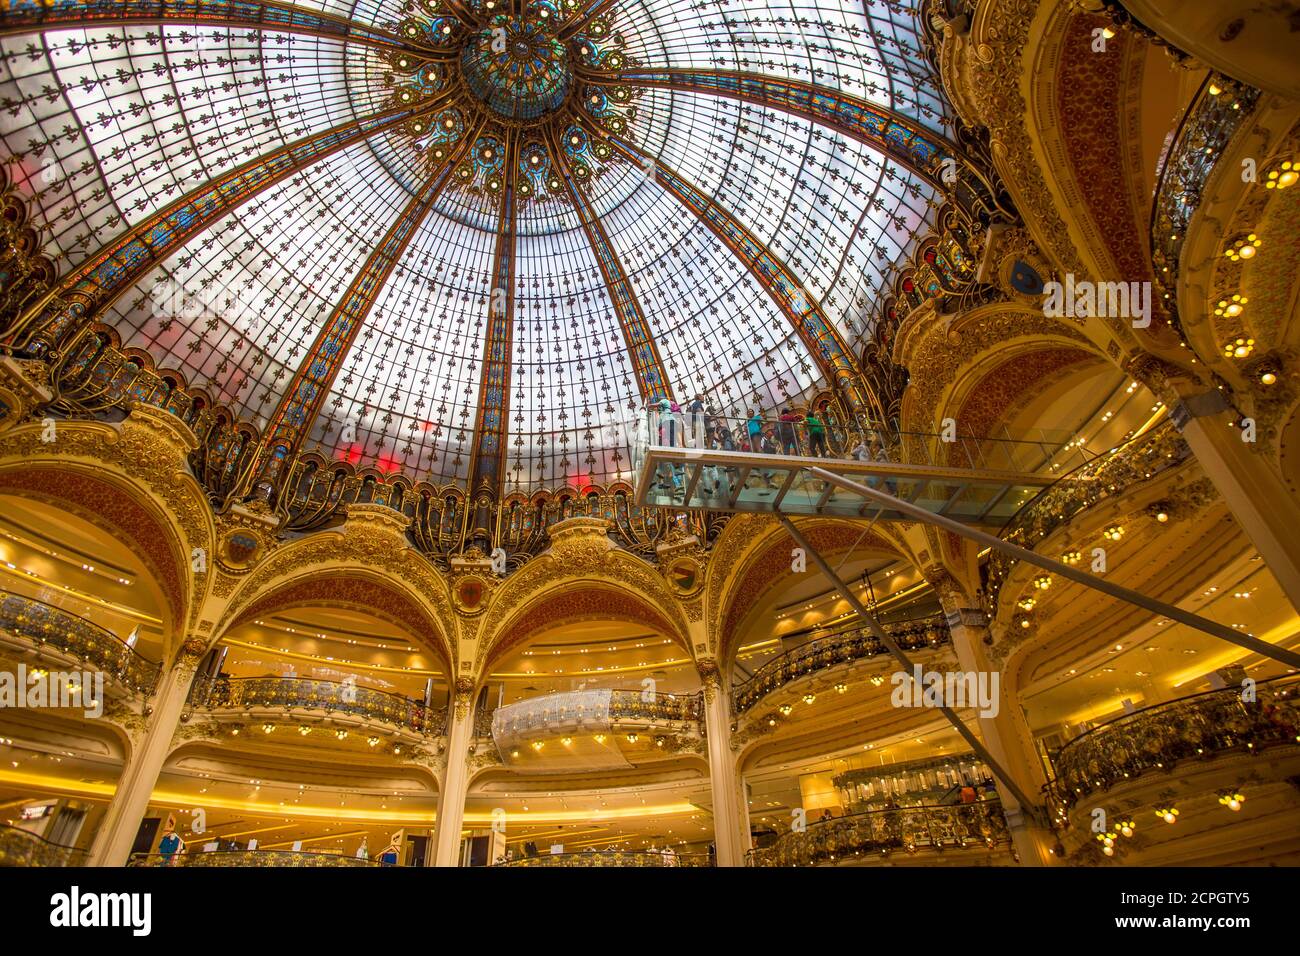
pixel 464 697
pixel 710 677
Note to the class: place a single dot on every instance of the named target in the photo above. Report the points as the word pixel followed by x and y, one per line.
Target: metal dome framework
pixel 460 240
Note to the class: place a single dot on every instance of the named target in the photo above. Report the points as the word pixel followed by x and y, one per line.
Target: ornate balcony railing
pixel 1199 727
pixel 20 848
pixel 1108 476
pixel 334 697
pixel 250 858
pixel 75 636
pixel 642 705
pixel 827 652
pixel 612 858
pixel 1219 110
pixel 927 781
pixel 909 829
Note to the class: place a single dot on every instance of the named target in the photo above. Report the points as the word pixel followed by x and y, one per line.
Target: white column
pixel 117 831
pixel 1253 492
pixel 730 835
pixel 455 782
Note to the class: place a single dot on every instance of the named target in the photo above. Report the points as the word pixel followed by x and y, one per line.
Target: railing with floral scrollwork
pixel 643 705
pixel 75 636
pixel 20 848
pixel 612 858
pixel 276 858
pixel 1199 727
pixel 909 829
pixel 288 693
pixel 1107 476
pixel 827 652
pixel 1218 111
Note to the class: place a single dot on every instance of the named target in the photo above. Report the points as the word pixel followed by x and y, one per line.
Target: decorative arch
pixel 369 566
pixel 581 557
pixel 945 352
pixel 590 602
pixel 752 555
pixel 131 481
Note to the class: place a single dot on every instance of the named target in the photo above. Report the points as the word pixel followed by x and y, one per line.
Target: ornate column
pixel 1252 490
pixel 117 831
pixel 730 832
pixel 455 778
pixel 1006 734
pixel 1240 470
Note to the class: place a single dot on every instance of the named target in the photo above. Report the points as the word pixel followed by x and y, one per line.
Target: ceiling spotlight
pixel 1232 800
pixel 1285 175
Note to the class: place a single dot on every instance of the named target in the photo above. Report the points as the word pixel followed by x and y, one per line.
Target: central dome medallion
pixel 517 67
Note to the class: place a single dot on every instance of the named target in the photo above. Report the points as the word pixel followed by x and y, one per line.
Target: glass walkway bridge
pixel 966 486
pixel 977 482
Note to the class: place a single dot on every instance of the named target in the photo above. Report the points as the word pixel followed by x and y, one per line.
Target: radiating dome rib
pixel 868 53
pixel 828 205
pixel 289 255
pixel 688 282
pixel 411 390
pixel 572 373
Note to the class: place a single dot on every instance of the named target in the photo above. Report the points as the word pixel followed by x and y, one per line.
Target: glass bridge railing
pixel 696 461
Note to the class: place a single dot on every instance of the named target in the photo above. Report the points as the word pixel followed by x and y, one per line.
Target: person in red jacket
pixel 786 432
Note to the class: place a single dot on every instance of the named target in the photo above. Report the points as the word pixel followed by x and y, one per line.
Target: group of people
pixel 697 425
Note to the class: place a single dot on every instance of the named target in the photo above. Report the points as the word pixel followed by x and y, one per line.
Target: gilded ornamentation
pixel 936 360
pixel 580 552
pixel 999 35
pixel 362 544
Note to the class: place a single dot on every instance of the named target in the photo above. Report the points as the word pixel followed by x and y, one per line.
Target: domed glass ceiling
pixel 652 188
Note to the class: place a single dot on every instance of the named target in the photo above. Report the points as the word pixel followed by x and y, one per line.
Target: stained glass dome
pixel 460 239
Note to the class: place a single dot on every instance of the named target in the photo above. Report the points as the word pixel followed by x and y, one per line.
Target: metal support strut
pixel 1214 628
pixel 1026 805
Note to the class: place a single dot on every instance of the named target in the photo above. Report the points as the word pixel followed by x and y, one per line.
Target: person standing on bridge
pixel 816 435
pixel 754 429
pixel 786 432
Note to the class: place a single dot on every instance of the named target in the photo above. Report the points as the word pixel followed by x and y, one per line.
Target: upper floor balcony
pixel 912 830
pixel 591 725
pixel 827 654
pixel 1157 738
pixel 269 698
pixel 21 848
pixel 62 639
pixel 244 858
